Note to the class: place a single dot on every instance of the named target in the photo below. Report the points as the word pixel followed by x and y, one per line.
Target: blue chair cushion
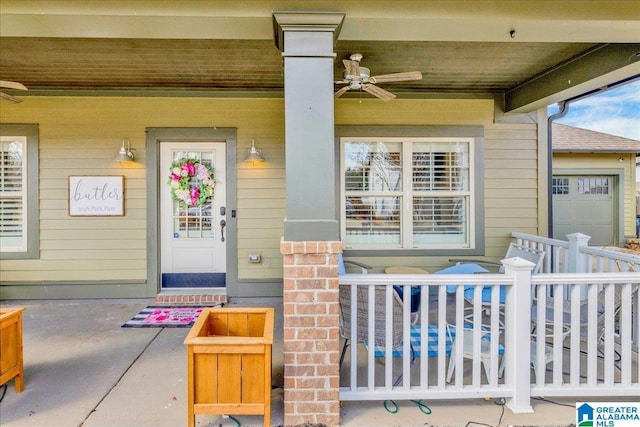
pixel 341 268
pixel 486 294
pixel 415 296
pixel 461 268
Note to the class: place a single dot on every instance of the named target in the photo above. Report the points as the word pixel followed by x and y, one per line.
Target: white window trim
pixel 23 245
pixel 31 189
pixel 406 229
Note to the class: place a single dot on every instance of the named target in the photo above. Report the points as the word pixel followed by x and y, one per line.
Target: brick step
pixel 191 299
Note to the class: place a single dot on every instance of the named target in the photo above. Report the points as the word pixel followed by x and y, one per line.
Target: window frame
pixel 473 134
pixel 32 208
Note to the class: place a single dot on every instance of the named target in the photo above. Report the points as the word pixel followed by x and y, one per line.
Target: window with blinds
pixel 13 194
pixel 406 193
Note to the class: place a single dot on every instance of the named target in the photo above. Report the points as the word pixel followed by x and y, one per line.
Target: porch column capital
pixel 306 21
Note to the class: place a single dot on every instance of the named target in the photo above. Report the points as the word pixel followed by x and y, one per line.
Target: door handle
pixel 223 224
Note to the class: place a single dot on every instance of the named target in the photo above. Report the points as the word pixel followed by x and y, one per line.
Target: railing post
pixel 577 261
pixel 518 334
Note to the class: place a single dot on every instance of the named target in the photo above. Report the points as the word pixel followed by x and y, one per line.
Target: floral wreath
pixel 191 182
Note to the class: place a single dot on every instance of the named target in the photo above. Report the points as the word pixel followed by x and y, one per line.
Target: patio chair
pixel 584 315
pixel 531 254
pixel 467 266
pixel 364 269
pixel 467 349
pixel 380 320
pixel 362 329
pixel 342 269
pixel 548 356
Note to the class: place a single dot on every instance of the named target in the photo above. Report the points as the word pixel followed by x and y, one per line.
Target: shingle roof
pixel 569 138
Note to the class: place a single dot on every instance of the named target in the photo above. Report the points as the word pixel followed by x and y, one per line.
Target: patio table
pixel 549 320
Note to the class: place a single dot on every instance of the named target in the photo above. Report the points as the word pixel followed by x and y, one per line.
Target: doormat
pixel 165 317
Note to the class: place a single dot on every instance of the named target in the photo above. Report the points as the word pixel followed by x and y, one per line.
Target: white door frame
pixel 156 178
pixel 196 258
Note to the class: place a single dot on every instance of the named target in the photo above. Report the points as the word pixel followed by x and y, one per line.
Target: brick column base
pixel 311 333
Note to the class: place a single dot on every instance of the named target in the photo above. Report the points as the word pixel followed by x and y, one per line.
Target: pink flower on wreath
pixel 202 172
pixel 189 168
pixel 191 182
pixel 195 194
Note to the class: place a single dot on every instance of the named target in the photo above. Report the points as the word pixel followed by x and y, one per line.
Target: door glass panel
pixel 194 222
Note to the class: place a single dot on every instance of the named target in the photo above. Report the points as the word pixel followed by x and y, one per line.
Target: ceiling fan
pixel 11 85
pixel 360 78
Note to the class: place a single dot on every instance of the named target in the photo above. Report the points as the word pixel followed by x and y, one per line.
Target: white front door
pixel 193 250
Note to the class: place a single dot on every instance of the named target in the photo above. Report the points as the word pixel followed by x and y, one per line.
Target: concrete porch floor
pixel 83 369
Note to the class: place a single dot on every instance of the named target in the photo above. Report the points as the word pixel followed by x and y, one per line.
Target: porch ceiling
pixel 167 48
pixel 98 63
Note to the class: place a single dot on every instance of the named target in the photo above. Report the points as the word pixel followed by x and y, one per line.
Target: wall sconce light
pixel 254 154
pixel 125 154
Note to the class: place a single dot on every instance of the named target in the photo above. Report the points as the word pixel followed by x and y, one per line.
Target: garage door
pixel 585 204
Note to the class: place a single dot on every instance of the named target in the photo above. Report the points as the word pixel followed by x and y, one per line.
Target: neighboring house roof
pixel 572 139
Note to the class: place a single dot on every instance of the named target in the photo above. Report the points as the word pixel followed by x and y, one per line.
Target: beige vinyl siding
pixel 414 112
pixel 80 136
pixel 603 161
pixel 511 184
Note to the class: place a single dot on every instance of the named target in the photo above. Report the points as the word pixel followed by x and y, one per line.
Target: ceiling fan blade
pixel 397 77
pixel 12 85
pixel 341 91
pixel 10 98
pixel 378 92
pixel 352 67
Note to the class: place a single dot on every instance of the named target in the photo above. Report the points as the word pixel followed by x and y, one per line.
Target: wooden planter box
pixel 229 363
pixel 11 347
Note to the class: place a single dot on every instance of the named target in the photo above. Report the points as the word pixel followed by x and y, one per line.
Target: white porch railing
pixel 590 351
pixel 411 376
pixel 589 360
pixel 576 256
